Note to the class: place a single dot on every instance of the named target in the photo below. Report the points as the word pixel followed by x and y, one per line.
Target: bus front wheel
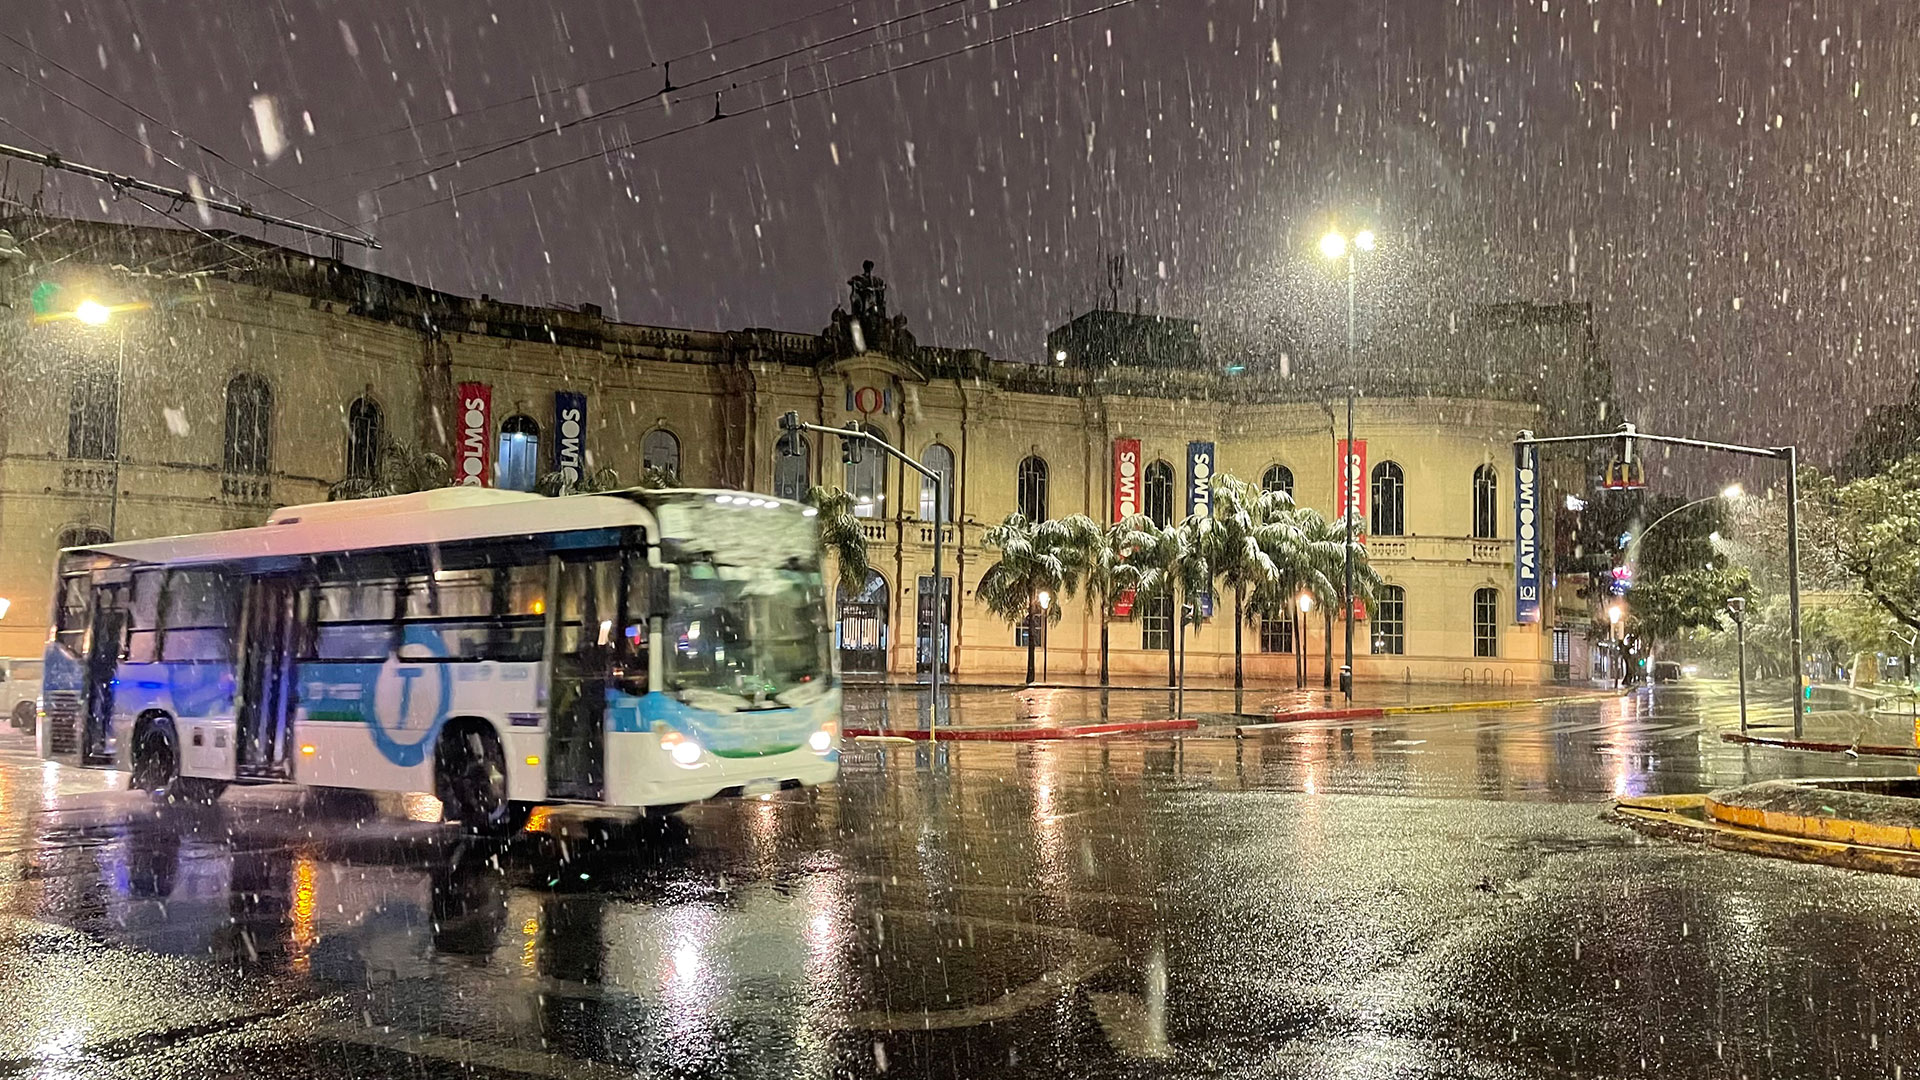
pixel 470 770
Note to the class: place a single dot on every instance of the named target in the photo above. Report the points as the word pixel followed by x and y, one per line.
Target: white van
pixel 20 691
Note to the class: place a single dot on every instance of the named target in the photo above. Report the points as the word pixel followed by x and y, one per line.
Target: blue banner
pixel 570 434
pixel 1526 534
pixel 1200 468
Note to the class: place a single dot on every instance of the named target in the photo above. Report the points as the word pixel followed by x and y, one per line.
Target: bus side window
pixel 353 620
pixel 198 615
pixel 143 629
pixel 448 615
pixel 71 616
pixel 520 608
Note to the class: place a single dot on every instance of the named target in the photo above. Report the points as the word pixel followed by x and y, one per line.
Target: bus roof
pixel 444 515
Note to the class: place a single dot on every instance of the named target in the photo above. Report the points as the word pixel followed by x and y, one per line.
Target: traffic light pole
pixel 851 440
pixel 1628 435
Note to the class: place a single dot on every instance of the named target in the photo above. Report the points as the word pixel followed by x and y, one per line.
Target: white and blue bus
pixel 496 649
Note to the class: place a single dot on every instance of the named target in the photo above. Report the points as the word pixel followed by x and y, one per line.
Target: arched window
pixel 1390 621
pixel 366 428
pixel 1389 500
pixel 1277 478
pixel 1486 622
pixel 93 412
pixel 249 447
pixel 867 478
pixel 1157 493
pixel 519 459
pixel 1033 488
pixel 84 536
pixel 1486 503
pixel 791 472
pixel 660 454
pixel 940 460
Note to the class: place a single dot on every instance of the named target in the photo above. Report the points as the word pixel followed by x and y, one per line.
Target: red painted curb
pixel 1822 747
pixel 1025 734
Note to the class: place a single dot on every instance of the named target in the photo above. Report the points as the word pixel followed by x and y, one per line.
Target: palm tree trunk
pixel 1173 605
pixel 1326 671
pixel 1239 621
pixel 1179 614
pixel 1031 631
pixel 1106 625
pixel 1299 650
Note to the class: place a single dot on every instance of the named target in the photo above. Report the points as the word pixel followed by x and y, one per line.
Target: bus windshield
pixel 746 637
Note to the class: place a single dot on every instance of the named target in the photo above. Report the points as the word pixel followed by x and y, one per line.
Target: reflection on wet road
pixel 1433 895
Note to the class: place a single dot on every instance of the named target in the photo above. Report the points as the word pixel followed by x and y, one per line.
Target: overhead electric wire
pixel 168 128
pixel 654 65
pixel 477 151
pixel 759 107
pixel 123 182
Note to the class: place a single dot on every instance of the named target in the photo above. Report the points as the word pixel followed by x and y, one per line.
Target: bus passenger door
pixel 584 645
pixel 103 658
pixel 268 644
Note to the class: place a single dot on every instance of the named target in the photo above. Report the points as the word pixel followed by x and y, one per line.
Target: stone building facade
pixel 229 377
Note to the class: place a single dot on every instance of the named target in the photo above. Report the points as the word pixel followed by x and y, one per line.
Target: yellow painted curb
pixel 1667 816
pixel 1837 830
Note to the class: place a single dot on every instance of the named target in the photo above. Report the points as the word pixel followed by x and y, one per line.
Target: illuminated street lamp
pixel 1334 245
pixel 1046 601
pixel 93 312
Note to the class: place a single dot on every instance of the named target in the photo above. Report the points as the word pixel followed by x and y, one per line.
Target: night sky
pixel 1730 183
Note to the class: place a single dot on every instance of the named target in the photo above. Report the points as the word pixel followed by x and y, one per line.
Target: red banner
pixel 473 443
pixel 1126 500
pixel 1126 478
pixel 1351 465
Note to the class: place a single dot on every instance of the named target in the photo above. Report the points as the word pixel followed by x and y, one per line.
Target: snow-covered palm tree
pixel 1102 557
pixel 1253 548
pixel 400 468
pixel 841 536
pixel 1035 557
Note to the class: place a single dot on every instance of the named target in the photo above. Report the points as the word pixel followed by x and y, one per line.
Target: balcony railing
pixel 246 488
pixel 1459 549
pixel 93 478
pixel 874 530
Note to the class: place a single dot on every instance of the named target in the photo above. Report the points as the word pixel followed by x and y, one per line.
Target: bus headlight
pixel 686 753
pixel 822 741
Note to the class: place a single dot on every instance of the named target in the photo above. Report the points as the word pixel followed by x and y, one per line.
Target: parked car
pixel 20 692
pixel 1665 671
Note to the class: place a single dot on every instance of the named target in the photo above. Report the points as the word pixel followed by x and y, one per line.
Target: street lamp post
pixel 791 422
pixel 1046 603
pixel 1333 246
pixel 1303 604
pixel 1737 607
pixel 1615 615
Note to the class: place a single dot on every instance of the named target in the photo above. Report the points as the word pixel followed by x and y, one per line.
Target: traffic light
pixel 851 450
pixel 45 299
pixel 1625 472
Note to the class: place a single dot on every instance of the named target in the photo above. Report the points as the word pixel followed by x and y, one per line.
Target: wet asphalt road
pixel 1420 896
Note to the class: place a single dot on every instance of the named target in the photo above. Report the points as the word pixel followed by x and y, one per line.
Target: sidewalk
pixel 1042 712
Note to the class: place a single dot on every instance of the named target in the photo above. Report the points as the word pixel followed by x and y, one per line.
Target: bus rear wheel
pixel 470 771
pixel 156 768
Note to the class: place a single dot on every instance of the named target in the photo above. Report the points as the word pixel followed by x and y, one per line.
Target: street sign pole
pixel 792 422
pixel 1788 455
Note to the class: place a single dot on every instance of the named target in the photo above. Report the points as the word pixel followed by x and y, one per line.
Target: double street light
pixel 1336 245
